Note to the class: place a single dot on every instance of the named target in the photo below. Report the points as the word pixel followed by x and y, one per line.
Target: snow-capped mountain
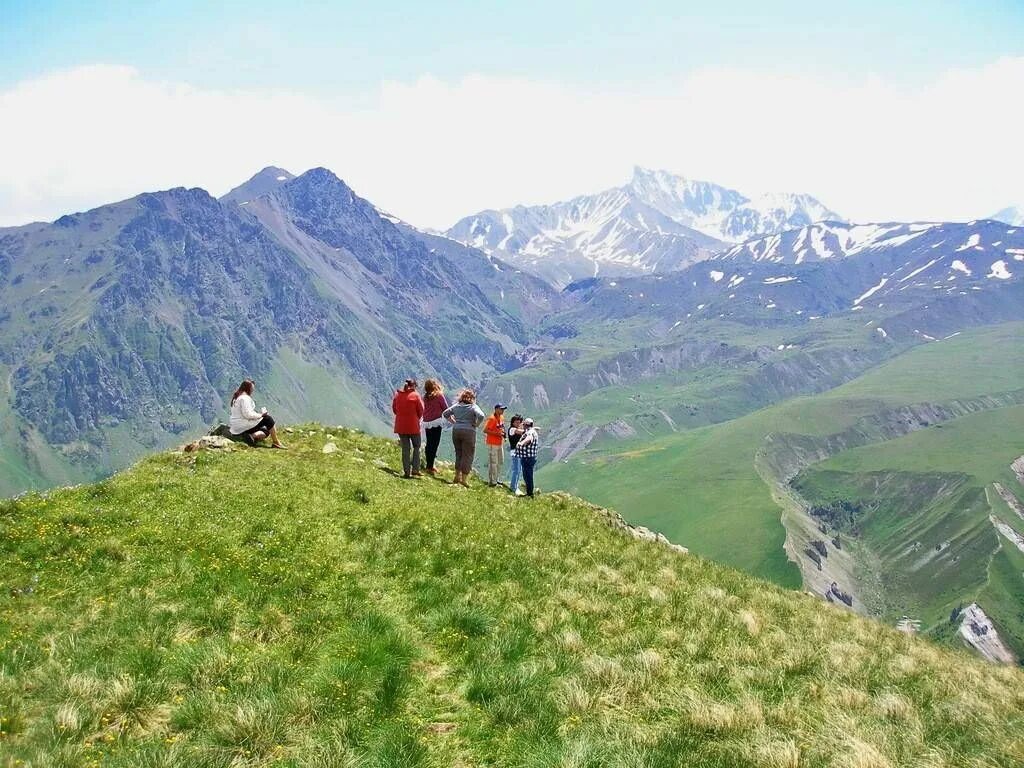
pixel 875 262
pixel 658 222
pixel 722 213
pixel 610 233
pixel 926 280
pixel 1014 216
pixel 986 239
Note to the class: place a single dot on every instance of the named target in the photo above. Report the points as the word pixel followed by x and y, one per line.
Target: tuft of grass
pixel 334 615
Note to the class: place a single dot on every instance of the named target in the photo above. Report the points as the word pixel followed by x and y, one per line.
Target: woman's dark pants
pixel 433 441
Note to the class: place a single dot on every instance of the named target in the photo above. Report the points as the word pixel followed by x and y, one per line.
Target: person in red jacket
pixel 407 405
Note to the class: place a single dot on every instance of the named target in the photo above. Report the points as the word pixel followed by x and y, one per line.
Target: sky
pixel 884 111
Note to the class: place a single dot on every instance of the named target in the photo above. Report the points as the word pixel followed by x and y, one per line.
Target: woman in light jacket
pixel 466 418
pixel 248 423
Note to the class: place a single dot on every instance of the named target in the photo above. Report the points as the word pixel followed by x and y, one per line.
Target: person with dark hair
pixel 434 404
pixel 465 417
pixel 246 422
pixel 515 431
pixel 407 405
pixel 526 450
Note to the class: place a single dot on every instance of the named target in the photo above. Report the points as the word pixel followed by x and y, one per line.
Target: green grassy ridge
pixel 308 609
pixel 296 385
pixel 701 487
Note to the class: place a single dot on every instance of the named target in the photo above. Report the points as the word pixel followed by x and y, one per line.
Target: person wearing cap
pixel 494 431
pixel 407 405
pixel 526 450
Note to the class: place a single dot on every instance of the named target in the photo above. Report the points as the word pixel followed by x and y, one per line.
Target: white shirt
pixel 243 415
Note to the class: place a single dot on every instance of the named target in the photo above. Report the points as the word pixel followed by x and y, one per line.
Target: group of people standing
pixel 429 414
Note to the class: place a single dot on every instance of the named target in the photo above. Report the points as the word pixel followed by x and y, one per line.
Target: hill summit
pixel 310 608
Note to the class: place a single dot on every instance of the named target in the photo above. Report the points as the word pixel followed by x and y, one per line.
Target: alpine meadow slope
pixel 303 607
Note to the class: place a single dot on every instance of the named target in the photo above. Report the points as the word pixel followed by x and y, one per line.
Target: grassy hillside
pixel 702 487
pixel 308 609
pixel 925 501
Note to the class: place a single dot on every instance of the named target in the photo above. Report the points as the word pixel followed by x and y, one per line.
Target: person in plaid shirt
pixel 526 450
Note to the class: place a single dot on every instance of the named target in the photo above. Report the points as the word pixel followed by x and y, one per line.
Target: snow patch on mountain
pixel 658 222
pixel 999 271
pixel 870 292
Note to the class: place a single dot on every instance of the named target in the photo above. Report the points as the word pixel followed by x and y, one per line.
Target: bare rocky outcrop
pixel 1011 501
pixel 1018 469
pixel 979 633
pixel 1011 535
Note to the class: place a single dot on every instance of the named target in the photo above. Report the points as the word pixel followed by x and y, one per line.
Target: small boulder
pixel 330 448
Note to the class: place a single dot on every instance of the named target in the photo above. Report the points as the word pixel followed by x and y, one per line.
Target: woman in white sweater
pixel 249 423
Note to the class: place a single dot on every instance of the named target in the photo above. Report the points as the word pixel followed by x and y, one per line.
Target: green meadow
pixel 302 608
pixel 701 487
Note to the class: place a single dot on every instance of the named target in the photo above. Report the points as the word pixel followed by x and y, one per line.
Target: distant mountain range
pixel 630 323
pixel 656 223
pixel 126 325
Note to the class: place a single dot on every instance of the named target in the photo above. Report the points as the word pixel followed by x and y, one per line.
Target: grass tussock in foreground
pixel 298 608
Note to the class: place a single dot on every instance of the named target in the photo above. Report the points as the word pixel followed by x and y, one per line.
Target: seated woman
pixel 246 422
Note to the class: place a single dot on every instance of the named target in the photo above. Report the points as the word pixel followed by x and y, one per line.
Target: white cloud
pixel 432 151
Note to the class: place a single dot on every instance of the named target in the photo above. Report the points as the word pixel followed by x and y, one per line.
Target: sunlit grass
pixel 308 609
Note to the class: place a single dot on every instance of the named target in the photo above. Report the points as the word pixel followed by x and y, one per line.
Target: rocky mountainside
pixel 656 223
pixel 263 183
pixel 124 326
pixel 826 269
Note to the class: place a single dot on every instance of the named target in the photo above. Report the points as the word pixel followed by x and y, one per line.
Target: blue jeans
pixel 514 472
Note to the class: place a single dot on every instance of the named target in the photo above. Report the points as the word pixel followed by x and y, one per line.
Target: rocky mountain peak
pixel 263 183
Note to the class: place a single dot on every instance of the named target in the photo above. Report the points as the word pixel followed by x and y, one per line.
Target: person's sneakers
pixel 519 493
pixel 431 471
pixel 417 474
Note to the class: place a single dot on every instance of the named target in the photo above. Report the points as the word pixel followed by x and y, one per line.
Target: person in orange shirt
pixel 494 429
